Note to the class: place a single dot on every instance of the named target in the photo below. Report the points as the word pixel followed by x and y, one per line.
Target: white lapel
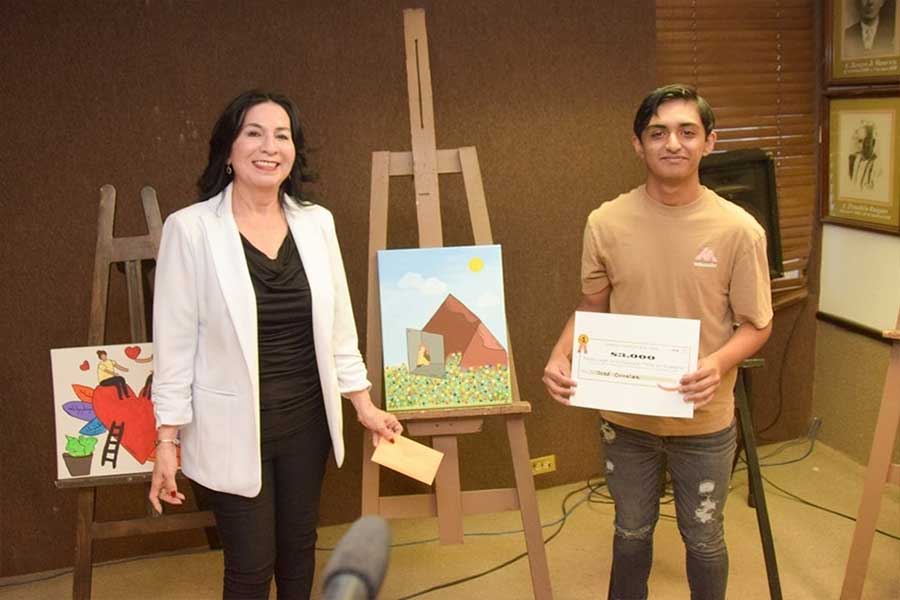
pixel 234 279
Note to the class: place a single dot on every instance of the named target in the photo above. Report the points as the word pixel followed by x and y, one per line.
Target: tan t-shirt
pixel 705 260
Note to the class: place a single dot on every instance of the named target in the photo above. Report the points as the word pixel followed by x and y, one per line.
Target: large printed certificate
pixel 631 364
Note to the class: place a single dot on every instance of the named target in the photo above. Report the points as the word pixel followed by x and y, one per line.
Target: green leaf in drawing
pixel 83 445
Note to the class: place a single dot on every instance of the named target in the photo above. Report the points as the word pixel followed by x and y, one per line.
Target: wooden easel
pixel 130 251
pixel 879 473
pixel 449 503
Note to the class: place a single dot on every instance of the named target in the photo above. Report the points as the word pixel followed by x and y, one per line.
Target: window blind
pixel 755 62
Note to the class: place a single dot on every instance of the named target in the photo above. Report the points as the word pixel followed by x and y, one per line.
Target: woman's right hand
pixel 163 485
pixel 558 378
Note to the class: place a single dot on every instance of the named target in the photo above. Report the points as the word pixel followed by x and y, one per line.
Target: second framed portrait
pixel 863 37
pixel 863 155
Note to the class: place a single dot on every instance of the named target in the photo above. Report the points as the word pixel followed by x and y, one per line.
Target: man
pixel 672 248
pixel 873 35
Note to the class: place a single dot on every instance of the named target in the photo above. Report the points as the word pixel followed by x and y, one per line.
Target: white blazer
pixel 206 366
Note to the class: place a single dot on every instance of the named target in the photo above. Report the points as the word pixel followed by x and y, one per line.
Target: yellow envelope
pixel 408 457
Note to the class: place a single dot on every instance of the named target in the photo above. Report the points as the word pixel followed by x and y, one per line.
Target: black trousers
pixel 118 382
pixel 275 532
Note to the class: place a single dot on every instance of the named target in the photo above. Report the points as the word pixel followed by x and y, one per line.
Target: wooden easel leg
pixel 378 216
pixel 876 476
pixel 757 492
pixel 447 491
pixel 81 577
pixel 531 518
pixel 135 286
pixel 371 479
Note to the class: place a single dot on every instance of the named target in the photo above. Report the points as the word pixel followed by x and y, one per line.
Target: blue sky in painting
pixel 414 282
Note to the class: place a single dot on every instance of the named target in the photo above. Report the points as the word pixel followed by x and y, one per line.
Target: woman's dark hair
pixel 226 130
pixel 667 93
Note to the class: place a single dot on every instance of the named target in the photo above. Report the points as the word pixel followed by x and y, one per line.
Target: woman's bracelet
pixel 175 442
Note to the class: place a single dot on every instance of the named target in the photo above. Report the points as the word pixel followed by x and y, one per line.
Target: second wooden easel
pixel 449 503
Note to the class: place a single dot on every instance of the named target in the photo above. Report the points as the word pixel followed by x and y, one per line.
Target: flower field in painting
pixel 481 386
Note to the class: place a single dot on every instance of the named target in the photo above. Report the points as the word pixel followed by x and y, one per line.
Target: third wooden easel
pixel 879 472
pixel 449 503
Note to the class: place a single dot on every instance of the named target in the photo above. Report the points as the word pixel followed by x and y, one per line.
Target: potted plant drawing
pixel 79 454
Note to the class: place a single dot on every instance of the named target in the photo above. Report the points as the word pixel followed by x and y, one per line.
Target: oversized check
pixel 628 363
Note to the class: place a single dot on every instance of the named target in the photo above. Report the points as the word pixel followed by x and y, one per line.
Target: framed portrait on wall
pixel 863 40
pixel 862 149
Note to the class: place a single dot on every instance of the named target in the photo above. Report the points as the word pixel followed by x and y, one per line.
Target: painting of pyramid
pixel 443 327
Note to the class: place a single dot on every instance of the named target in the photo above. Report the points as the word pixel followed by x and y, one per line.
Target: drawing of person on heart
pixel 108 376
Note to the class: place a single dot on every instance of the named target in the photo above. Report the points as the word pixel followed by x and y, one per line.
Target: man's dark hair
pixel 667 93
pixel 226 130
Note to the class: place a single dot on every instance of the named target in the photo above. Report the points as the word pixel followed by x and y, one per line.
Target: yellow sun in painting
pixel 476 264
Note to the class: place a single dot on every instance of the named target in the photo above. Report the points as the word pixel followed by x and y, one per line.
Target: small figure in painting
pixel 107 375
pixel 423 358
pixel 147 390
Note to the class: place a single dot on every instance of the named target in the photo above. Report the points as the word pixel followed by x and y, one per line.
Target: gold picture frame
pixel 863 47
pixel 861 147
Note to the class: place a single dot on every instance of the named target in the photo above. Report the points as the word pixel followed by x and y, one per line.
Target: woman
pixel 254 345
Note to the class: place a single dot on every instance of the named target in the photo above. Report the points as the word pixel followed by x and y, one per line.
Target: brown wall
pixel 126 93
pixel 849 383
pixel 781 391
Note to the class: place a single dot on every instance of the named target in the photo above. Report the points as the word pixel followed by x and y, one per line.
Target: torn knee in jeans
pixel 706 509
pixel 641 533
pixel 609 434
pixel 706 537
pixel 706 546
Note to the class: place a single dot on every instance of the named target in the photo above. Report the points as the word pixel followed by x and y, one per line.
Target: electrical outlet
pixel 543 464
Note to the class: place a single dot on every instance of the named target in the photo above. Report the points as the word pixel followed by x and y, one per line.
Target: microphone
pixel 357 566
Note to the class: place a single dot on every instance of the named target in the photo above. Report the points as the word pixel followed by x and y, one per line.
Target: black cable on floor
pixel 596 495
pixel 797 498
pixel 779 450
pixel 565 511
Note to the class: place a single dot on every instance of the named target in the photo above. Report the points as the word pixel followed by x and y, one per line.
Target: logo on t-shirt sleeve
pixel 706 258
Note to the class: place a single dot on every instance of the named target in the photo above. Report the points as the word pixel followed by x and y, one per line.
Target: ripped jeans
pixel 700 466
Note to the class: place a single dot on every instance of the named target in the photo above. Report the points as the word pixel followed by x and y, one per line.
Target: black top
pixel 290 394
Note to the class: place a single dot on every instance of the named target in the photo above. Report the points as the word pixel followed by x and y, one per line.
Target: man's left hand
pixel 700 386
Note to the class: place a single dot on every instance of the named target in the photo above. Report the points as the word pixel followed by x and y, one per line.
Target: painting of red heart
pixel 103 410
